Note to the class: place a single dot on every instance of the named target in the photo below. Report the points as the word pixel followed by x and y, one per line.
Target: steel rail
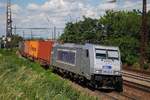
pixel 136 85
pixel 138 77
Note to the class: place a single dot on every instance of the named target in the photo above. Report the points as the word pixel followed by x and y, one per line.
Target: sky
pixel 50 13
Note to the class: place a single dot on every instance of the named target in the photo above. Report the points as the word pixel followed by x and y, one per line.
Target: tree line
pixel 115 28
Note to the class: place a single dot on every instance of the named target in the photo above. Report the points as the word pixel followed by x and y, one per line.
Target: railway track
pixel 136 71
pixel 124 95
pixel 130 83
pixel 139 82
pixel 136 76
pixel 129 96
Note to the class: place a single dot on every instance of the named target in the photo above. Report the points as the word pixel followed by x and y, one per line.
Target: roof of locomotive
pixel 73 45
pixel 69 45
pixel 102 46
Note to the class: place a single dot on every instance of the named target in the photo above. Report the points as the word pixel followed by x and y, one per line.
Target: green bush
pixel 146 66
pixel 130 59
pixel 136 66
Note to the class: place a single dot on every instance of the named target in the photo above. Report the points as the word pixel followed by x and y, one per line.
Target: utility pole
pixel 144 36
pixel 31 35
pixel 8 20
pixel 54 32
pixel 15 30
pixel 23 34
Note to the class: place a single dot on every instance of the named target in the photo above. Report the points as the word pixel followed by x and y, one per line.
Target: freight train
pixel 96 65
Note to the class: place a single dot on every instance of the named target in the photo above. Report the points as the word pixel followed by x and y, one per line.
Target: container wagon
pixel 45 51
pixel 96 65
pixel 37 50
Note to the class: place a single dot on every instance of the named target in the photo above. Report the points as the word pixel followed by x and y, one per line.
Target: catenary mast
pixel 8 19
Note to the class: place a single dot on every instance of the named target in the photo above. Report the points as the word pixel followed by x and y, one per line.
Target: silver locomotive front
pixel 105 66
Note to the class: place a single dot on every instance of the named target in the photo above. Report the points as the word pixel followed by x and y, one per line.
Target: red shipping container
pixel 26 47
pixel 44 51
pixel 39 50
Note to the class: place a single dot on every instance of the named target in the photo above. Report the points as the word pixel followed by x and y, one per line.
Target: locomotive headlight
pixel 98 71
pixel 117 72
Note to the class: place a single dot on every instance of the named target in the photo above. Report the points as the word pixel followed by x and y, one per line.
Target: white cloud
pixel 107 6
pixel 130 5
pixel 61 11
pixel 16 8
pixel 2 5
pixel 2 24
pixel 33 7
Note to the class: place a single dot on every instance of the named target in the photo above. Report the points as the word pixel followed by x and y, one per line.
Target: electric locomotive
pixel 98 65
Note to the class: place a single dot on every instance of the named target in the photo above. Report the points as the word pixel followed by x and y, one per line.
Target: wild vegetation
pixel 15 39
pixel 121 28
pixel 22 79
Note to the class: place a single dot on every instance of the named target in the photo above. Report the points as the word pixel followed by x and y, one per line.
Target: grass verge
pixel 21 79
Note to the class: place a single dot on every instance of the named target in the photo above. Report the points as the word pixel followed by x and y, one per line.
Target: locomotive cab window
pixel 101 54
pixel 113 54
